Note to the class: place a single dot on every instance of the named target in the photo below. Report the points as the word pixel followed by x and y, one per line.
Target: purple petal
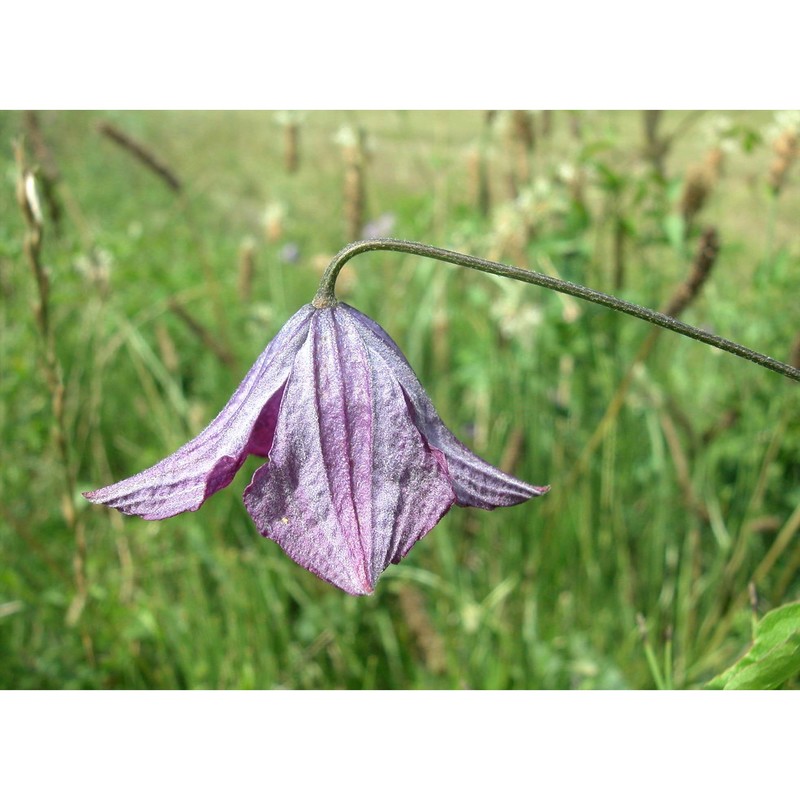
pixel 475 482
pixel 208 463
pixel 351 483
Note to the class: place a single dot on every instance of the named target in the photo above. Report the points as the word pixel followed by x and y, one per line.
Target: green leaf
pixel 774 657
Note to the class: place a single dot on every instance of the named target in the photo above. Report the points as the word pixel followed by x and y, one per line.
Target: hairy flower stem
pixel 325 294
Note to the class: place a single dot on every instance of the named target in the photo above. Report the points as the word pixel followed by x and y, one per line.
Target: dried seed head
pixel 291 138
pixel 354 154
pixel 714 160
pixel 696 189
pixel 32 196
pixel 274 216
pixel 522 138
pixel 427 638
pixel 785 147
pixel 705 258
pixel 28 199
pixel 247 268
pixel 478 178
pixel 521 125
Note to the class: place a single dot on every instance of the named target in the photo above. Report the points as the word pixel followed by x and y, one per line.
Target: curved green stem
pixel 325 294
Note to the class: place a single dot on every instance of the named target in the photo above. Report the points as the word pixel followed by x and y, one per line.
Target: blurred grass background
pixel 667 530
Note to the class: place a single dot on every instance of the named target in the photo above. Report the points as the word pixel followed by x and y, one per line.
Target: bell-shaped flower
pixel 360 465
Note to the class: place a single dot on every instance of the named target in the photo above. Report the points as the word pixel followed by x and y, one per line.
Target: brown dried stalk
pixel 618 256
pixel 785 148
pixel 206 337
pixel 247 269
pixel 56 192
pixel 478 177
pixel 699 182
pixel 49 174
pixel 682 467
pixel 523 139
pixel 705 258
pixel 576 125
pixel 291 149
pixel 546 128
pixel 167 350
pixel 783 539
pixel 697 187
pixel 726 420
pixel 27 198
pixel 655 147
pixel 513 450
pixel 43 154
pixel 427 638
pixel 714 161
pixel 354 154
pixel 141 154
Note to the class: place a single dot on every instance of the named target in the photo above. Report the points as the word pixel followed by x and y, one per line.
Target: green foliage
pixel 690 495
pixel 774 657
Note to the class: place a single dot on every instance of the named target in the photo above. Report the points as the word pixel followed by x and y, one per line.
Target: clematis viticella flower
pixel 360 466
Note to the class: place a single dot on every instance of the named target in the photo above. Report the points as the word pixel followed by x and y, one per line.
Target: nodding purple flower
pixel 360 465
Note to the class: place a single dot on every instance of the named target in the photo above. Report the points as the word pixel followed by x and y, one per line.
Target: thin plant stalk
pixel 209 341
pixel 27 198
pixel 326 296
pixel 652 661
pixel 683 295
pixel 668 684
pixel 782 541
pixel 168 176
pixel 142 154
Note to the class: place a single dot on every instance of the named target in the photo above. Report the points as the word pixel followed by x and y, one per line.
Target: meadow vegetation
pixel 176 245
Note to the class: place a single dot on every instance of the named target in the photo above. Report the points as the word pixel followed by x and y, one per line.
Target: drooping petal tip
pixel 184 480
pixel 475 482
